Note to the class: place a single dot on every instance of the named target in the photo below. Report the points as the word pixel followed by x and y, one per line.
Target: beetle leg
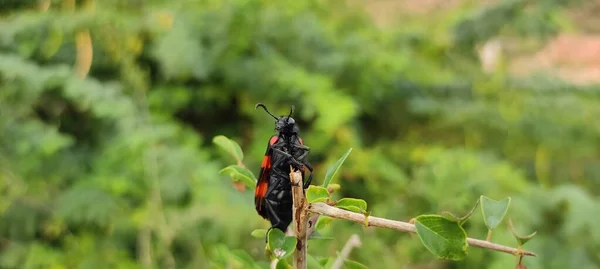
pixel 274 217
pixel 302 158
pixel 288 156
pixel 310 169
pixel 305 153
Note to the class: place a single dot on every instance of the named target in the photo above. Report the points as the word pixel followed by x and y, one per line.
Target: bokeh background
pixel 108 109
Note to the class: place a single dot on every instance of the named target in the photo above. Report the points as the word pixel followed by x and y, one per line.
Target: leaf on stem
pixel 240 174
pixel 323 222
pixel 352 204
pixel 316 194
pixel 521 240
pixel 332 170
pixel 462 220
pixel 230 147
pixel 312 263
pixel 493 211
pixel 280 245
pixel 259 233
pixel 444 238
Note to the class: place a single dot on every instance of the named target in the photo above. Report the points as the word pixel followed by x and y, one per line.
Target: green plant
pixel 443 235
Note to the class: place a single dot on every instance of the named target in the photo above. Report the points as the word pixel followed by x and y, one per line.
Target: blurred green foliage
pixel 117 169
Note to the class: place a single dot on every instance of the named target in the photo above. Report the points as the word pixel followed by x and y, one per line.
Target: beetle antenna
pixel 291 111
pixel 265 108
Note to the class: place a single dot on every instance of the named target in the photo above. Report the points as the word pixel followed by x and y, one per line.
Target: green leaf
pixel 259 233
pixel 521 240
pixel 238 173
pixel 316 194
pixel 283 264
pixel 244 258
pixel 312 263
pixel 323 222
pixel 327 262
pixel 332 170
pixel 280 245
pixel 352 204
pixel 452 217
pixel 444 238
pixel 493 211
pixel 354 265
pixel 230 147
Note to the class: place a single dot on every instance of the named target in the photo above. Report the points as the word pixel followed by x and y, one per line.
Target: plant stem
pixel 300 216
pixel 334 212
pixel 353 241
pixel 489 235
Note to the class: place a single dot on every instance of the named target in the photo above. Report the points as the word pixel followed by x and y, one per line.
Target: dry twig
pixel 300 216
pixel 353 241
pixel 334 212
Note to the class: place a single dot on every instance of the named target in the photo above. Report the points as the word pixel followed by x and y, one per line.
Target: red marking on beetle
pixel 273 140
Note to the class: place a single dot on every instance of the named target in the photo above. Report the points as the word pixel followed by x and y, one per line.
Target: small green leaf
pixel 452 217
pixel 327 262
pixel 323 222
pixel 354 265
pixel 282 264
pixel 493 211
pixel 332 170
pixel 238 173
pixel 316 194
pixel 312 263
pixel 280 245
pixel 259 233
pixel 521 240
pixel 352 204
pixel 444 238
pixel 230 147
pixel 276 238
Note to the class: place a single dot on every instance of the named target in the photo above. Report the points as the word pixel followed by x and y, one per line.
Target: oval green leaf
pixel 230 147
pixel 280 245
pixel 493 211
pixel 444 238
pixel 315 194
pixel 259 233
pixel 238 173
pixel 275 239
pixel 332 170
pixel 323 222
pixel 352 204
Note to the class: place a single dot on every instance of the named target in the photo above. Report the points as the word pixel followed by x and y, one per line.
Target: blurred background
pixel 108 109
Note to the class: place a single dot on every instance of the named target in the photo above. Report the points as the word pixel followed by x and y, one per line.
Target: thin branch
pixel 334 212
pixel 300 219
pixel 353 241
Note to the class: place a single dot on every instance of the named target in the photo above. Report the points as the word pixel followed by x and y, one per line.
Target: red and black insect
pixel 273 194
